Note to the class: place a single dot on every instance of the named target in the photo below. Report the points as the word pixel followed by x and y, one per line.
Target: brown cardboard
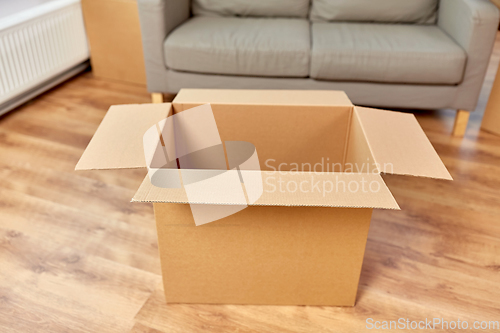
pixel 301 248
pixel 491 121
pixel 491 117
pixel 263 255
pixel 117 143
pixel 358 148
pixel 341 198
pixel 114 35
pixel 187 98
pixel 303 126
pixel 398 139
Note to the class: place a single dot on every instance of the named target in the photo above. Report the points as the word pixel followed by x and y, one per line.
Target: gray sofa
pixel 423 54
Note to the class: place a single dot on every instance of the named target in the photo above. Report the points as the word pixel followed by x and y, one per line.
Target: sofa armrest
pixel 158 18
pixel 473 24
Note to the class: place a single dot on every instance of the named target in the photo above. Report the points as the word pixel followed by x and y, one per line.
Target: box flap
pixel 323 189
pixel 118 142
pixel 262 97
pixel 399 145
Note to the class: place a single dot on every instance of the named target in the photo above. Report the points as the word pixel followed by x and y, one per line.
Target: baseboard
pixel 30 94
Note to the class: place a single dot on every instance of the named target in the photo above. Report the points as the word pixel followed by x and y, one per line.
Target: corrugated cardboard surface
pixel 491 118
pixel 285 126
pixel 344 191
pixel 117 143
pixel 115 40
pixel 284 134
pixel 263 97
pixel 399 145
pixel 358 150
pixel 491 121
pixel 263 255
pixel 289 247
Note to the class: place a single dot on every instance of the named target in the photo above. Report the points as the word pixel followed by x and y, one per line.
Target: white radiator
pixel 38 44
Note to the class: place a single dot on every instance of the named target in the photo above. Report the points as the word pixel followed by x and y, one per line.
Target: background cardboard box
pixel 115 40
pixel 491 117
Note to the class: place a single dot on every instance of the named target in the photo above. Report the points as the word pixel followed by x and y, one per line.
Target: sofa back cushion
pixel 251 8
pixel 389 11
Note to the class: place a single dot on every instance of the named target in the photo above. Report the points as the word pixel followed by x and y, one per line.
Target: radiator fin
pixel 36 50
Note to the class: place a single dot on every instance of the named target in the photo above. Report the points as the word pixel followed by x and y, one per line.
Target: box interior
pixel 319 135
pixel 289 135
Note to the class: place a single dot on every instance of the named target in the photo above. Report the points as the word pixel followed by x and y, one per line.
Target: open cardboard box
pixel 300 242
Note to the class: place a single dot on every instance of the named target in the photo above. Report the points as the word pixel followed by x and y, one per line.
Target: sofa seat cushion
pixel 393 11
pixel 385 53
pixel 275 47
pixel 255 8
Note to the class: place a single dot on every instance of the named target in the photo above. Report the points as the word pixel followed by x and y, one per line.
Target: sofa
pixel 411 54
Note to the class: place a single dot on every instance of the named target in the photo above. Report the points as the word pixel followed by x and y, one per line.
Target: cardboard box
pixel 114 35
pixel 295 247
pixel 491 117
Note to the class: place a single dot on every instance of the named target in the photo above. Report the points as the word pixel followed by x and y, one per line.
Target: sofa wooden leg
pixel 157 97
pixel 461 120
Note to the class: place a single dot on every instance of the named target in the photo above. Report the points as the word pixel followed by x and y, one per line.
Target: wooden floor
pixel 76 256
